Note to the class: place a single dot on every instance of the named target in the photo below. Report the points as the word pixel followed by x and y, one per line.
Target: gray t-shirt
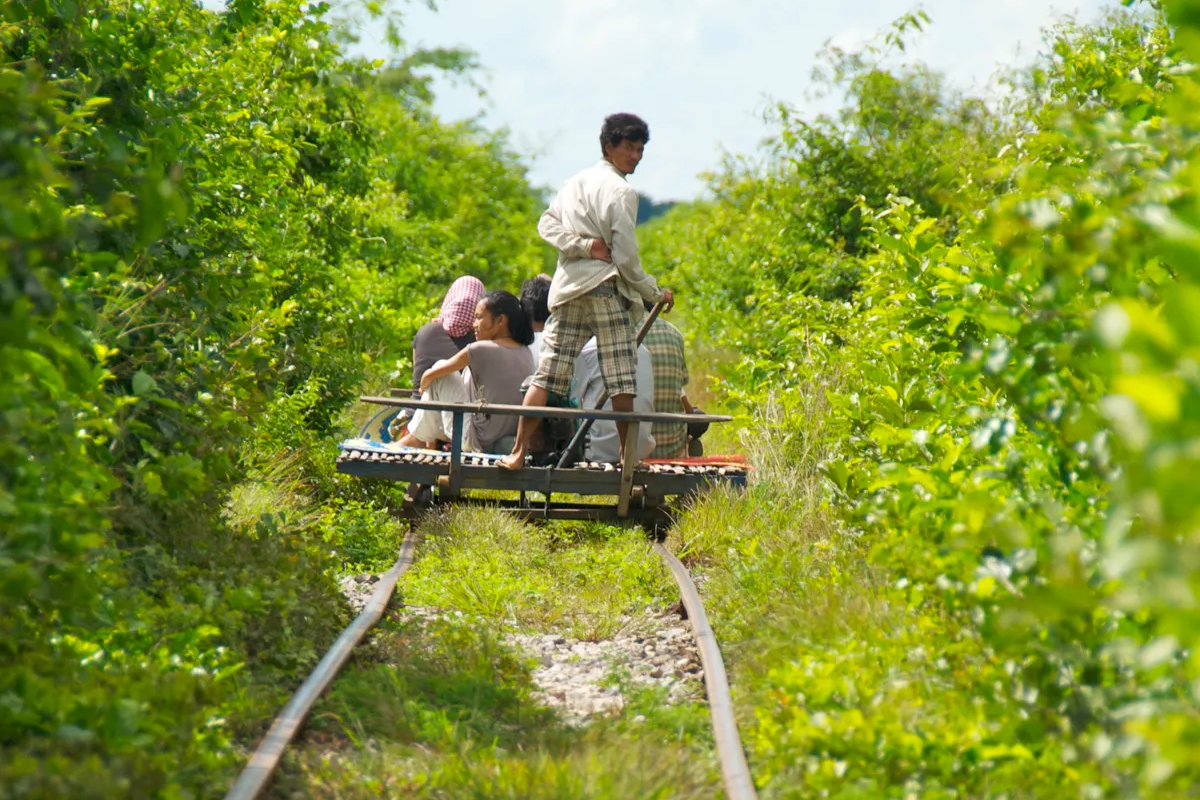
pixel 496 375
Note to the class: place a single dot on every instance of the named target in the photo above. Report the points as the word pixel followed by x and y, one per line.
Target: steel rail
pixel 738 785
pixel 266 758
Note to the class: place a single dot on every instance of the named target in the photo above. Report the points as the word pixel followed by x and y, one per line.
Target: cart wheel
pixel 420 496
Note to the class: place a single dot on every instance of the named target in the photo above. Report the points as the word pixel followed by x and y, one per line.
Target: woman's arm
pixel 460 361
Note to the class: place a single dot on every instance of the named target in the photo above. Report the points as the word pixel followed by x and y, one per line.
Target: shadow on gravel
pixel 441 709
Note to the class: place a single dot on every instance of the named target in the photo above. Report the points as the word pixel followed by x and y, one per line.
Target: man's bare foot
pixel 513 462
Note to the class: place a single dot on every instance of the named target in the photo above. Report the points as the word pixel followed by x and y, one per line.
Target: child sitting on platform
pixel 499 361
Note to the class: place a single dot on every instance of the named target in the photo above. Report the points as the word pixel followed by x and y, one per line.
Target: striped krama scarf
pixel 458 309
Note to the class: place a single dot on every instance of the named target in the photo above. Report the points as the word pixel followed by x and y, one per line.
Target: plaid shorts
pixel 600 313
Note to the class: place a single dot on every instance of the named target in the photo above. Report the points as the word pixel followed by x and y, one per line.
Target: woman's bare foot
pixel 408 440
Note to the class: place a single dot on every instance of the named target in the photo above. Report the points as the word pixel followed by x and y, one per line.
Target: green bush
pixel 1012 412
pixel 208 221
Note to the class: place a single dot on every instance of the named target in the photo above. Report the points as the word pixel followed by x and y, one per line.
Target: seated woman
pixel 440 338
pixel 499 361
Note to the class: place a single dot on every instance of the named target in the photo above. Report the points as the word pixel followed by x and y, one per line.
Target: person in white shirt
pixel 603 442
pixel 599 284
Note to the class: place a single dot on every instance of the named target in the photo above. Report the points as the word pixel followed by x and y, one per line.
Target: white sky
pixel 700 72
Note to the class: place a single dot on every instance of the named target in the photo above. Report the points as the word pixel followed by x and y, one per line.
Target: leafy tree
pixel 648 208
pixel 1011 407
pixel 202 215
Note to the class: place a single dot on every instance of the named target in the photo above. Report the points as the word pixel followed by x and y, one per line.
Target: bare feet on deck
pixel 513 462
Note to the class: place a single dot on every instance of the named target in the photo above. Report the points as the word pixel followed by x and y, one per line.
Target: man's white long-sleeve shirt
pixel 597 203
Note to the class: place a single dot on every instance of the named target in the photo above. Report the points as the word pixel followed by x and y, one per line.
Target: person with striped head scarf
pixel 437 340
pixel 449 332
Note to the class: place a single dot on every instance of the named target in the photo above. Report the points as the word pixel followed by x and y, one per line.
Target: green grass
pixel 273 489
pixel 590 769
pixel 576 579
pixel 438 683
pixel 444 709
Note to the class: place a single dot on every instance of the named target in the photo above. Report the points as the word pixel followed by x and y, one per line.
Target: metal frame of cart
pixel 641 491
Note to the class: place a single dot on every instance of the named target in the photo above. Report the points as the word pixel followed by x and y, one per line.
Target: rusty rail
pixel 257 774
pixel 734 769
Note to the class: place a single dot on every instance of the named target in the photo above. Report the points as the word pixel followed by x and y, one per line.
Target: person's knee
pixel 535 394
pixel 437 388
pixel 622 402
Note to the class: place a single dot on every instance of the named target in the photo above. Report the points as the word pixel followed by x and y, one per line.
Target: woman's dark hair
pixel 535 297
pixel 620 127
pixel 501 302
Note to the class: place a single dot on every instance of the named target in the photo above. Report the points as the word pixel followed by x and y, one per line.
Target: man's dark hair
pixel 501 302
pixel 535 297
pixel 618 128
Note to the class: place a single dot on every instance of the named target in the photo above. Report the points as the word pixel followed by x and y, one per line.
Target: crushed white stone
pixel 579 678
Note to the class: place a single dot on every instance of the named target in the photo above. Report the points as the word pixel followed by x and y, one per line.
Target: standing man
pixel 599 285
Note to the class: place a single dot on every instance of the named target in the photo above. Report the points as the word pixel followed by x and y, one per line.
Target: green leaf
pixel 838 472
pixel 143 384
pixel 924 225
pixel 152 482
pixel 958 258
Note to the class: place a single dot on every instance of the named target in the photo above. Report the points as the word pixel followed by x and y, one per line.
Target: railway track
pixel 735 772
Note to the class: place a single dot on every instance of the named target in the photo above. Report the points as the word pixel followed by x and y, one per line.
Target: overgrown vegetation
pixel 990 364
pixel 214 228
pixel 573 578
pixel 439 707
